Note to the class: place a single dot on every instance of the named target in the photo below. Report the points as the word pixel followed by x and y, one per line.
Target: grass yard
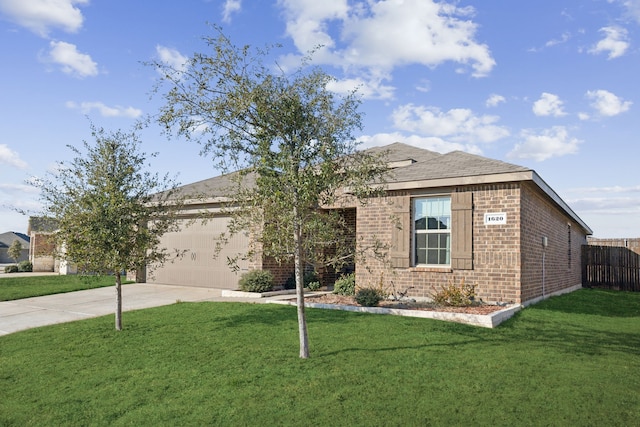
pixel 12 288
pixel 569 361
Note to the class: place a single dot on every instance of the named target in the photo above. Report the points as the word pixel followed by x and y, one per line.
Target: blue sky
pixel 550 85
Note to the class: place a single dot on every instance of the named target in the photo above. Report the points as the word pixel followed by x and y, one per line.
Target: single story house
pixel 6 240
pixel 445 218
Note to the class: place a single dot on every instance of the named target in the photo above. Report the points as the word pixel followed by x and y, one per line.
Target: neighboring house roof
pixel 6 239
pixel 414 168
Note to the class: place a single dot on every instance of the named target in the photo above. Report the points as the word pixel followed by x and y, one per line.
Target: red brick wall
pixel 258 261
pixel 562 263
pixel 284 271
pixel 42 250
pixel 506 258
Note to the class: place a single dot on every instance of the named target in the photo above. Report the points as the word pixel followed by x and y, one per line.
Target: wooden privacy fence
pixel 610 267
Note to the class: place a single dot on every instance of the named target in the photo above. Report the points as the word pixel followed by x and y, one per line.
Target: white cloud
pixel 548 105
pixel 458 124
pixel 385 34
pixel 230 7
pixel 172 57
pixel 615 42
pixel 554 142
pixel 368 89
pixel 104 110
pixel 609 205
pixel 632 8
pixel 494 100
pixel 11 158
pixel 607 104
pixel 563 39
pixel 603 190
pixel 72 62
pixel 18 189
pixel 40 16
pixel 429 143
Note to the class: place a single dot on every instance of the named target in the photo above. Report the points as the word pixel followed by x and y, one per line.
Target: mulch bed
pixel 406 305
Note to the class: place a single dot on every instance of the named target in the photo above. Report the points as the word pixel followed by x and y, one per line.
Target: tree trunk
pixel 299 273
pixel 118 302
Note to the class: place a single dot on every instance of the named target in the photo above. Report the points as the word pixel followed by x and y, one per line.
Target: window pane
pixel 432 222
pixel 432 256
pixel 420 214
pixel 421 246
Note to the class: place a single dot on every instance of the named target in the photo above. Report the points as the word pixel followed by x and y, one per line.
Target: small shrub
pixel 369 297
pixel 290 283
pixel 313 286
pixel 256 281
pixel 11 269
pixel 454 295
pixel 25 266
pixel 309 277
pixel 345 285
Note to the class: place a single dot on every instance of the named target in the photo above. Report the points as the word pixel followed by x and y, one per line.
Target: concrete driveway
pixel 29 313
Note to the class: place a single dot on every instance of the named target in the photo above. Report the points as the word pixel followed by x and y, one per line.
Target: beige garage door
pixel 201 265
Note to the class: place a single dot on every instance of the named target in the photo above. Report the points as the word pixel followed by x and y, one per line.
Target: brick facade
pixel 557 266
pixel 41 251
pixel 507 259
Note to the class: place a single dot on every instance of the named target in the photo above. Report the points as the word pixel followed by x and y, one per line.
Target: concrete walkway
pixel 29 313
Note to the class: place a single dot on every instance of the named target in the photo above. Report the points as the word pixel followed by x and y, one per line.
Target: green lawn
pixel 33 286
pixel 573 360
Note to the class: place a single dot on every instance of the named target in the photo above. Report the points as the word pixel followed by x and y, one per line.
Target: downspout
pixel 545 243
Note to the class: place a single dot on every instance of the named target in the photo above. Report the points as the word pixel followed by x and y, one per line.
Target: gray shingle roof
pixel 398 151
pixel 214 187
pixel 6 239
pixel 411 164
pixel 452 165
pixel 425 165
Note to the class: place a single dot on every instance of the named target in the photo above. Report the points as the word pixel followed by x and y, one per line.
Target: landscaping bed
pixel 485 315
pixel 408 304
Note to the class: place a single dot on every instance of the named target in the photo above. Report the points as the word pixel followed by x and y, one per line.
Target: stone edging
pixel 484 320
pixel 240 294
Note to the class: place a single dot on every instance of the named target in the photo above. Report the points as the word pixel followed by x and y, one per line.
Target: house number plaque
pixel 495 218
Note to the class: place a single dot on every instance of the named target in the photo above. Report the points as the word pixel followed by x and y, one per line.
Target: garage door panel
pixel 201 264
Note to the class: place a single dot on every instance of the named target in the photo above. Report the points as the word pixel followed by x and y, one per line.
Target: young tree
pixel 15 250
pixel 290 138
pixel 110 213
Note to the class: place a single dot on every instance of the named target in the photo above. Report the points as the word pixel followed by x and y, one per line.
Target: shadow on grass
pixel 593 301
pixel 273 314
pixel 574 338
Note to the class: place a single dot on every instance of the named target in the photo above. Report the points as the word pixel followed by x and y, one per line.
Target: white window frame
pixel 415 232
